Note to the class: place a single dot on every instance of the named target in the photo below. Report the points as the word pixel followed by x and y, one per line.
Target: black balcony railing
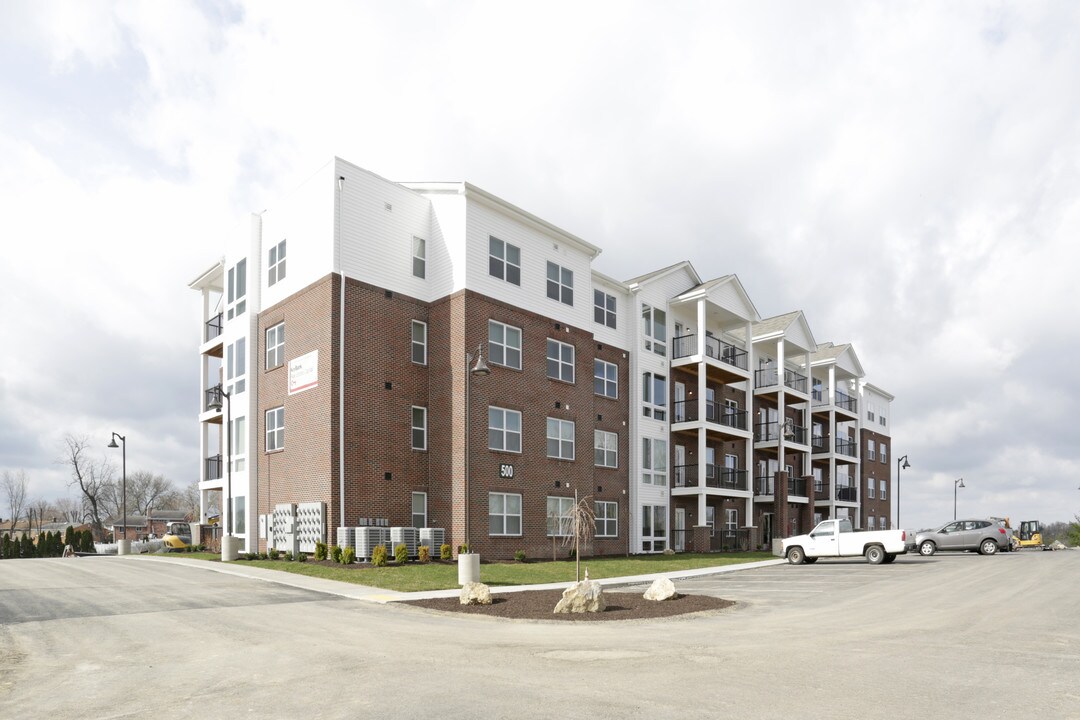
pixel 766 377
pixel 687 411
pixel 796 486
pixel 213 467
pixel 817 443
pixel 845 447
pixel 764 432
pixel 686 345
pixel 683 346
pixel 846 402
pixel 797 435
pixel 213 327
pixel 716 476
pixel 764 485
pixel 795 381
pixel 847 493
pixel 734 540
pixel 213 397
pixel 729 479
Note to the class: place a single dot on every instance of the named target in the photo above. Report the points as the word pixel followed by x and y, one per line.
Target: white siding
pixel 625 318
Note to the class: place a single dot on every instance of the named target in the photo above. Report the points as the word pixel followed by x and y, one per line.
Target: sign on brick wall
pixel 304 372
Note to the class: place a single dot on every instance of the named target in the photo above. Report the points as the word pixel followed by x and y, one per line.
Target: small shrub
pixel 519 556
pixel 348 556
pixel 320 551
pixel 444 551
pixel 425 553
pixel 264 556
pixel 462 549
pixel 335 553
pixel 274 554
pixel 288 556
pixel 379 556
pixel 301 557
pixel 401 554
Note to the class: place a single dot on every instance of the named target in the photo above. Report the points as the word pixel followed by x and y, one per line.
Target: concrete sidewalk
pixel 379 595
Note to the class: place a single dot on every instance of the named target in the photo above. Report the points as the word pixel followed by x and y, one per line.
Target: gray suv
pixel 986 536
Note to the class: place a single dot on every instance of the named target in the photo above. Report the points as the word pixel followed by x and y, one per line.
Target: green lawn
pixel 436 576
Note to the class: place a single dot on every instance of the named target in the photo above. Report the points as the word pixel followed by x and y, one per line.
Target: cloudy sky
pixel 908 174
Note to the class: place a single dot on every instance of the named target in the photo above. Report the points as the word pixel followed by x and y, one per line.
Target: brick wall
pixel 878 471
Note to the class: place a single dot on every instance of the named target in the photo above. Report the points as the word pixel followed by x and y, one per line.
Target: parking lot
pixel 956 633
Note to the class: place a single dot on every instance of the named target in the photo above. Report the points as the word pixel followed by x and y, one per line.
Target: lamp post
pixel 957 484
pixel 899 467
pixel 479 370
pixel 215 405
pixel 123 480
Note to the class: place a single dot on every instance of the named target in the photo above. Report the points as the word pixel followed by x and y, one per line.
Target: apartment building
pixel 430 355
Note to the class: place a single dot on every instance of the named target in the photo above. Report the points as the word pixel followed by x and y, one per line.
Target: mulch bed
pixel 540 604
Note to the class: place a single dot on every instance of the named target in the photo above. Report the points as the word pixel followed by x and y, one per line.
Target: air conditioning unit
pixel 409 536
pixel 346 537
pixel 367 538
pixel 434 538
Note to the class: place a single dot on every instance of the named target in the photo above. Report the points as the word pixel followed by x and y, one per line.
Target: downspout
pixel 341 360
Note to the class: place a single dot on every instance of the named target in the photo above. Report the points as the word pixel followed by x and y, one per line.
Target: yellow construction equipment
pixel 177 536
pixel 1028 535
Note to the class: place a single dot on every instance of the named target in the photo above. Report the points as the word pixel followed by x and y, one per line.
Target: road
pixel 959 634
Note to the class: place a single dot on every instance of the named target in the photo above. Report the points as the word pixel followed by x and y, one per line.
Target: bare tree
pixel 578 528
pixel 189 500
pixel 69 510
pixel 41 509
pixel 15 485
pixel 93 478
pixel 146 490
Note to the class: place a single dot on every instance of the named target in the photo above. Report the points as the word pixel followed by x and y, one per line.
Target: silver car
pixel 986 536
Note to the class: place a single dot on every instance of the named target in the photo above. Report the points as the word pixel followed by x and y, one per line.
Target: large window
pixel 419 511
pixel 236 367
pixel 237 290
pixel 607 518
pixel 560 439
pixel 653 528
pixel 654 461
pixel 276 264
pixel 606 378
pixel 238 440
pixel 870 454
pixel 870 523
pixel 558 516
pixel 504 261
pixel 560 283
pixel 504 344
pixel 419 257
pixel 419 428
pixel 654 396
pixel 871 484
pixel 240 515
pixel 419 342
pixel 604 308
pixel 275 346
pixel 504 513
pixel 607 449
pixel 881 489
pixel 560 361
pixel 883 451
pixel 504 429
pixel 654 329
pixel 275 429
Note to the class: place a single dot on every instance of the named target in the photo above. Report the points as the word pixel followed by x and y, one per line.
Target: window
pixel 654 328
pixel 870 488
pixel 731 519
pixel 275 346
pixel 236 366
pixel 870 454
pixel 819 483
pixel 560 439
pixel 504 513
pixel 654 396
pixel 504 261
pixel 607 449
pixel 237 290
pixel 883 522
pixel 419 342
pixel 881 420
pixel 238 440
pixel 558 516
pixel 653 528
pixel 419 257
pixel 275 429
pixel 504 429
pixel 607 518
pixel 276 264
pixel 240 515
pixel 815 390
pixel 504 344
pixel 560 283
pixel 560 361
pixel 419 510
pixel 654 461
pixel 606 379
pixel 883 451
pixel 419 428
pixel 604 308
pixel 870 523
pixel 881 488
pixel 870 414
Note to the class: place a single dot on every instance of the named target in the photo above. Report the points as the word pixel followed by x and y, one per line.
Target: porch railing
pixel 845 447
pixel 846 401
pixel 687 411
pixel 686 345
pixel 213 327
pixel 213 467
pixel 847 493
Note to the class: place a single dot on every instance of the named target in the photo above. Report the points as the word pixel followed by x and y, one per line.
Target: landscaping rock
pixel 661 589
pixel 475 593
pixel 582 597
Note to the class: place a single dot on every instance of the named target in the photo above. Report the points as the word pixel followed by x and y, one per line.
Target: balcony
pixel 796 487
pixel 213 398
pixel 795 381
pixel 686 346
pixel 687 411
pixel 845 447
pixel 846 402
pixel 730 540
pixel 716 476
pixel 766 378
pixel 821 491
pixel 213 328
pixel 764 485
pixel 213 467
pixel 766 432
pixel 847 493
pixel 817 444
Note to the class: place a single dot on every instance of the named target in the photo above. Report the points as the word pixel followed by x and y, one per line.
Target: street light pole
pixel 480 370
pixel 905 466
pixel 123 474
pixel 957 484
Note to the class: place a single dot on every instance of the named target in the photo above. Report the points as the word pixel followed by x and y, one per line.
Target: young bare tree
pixel 42 510
pixel 15 486
pixel 69 510
pixel 92 477
pixel 578 528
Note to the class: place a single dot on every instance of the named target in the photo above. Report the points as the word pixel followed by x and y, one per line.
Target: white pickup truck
pixel 835 538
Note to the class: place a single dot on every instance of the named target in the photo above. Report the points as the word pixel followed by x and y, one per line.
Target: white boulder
pixel 475 593
pixel 661 589
pixel 582 597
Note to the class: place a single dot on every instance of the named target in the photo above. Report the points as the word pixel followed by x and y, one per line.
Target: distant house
pixel 140 527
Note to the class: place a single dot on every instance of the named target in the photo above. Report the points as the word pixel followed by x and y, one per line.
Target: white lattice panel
pixel 310 524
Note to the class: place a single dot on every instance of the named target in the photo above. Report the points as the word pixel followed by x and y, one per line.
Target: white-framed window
pixel 238 440
pixel 870 450
pixel 276 264
pixel 607 518
pixel 558 516
pixel 870 523
pixel 504 344
pixel 605 378
pixel 419 342
pixel 419 428
pixel 883 522
pixel 654 461
pixel 560 283
pixel 275 345
pixel 731 519
pixel 654 329
pixel 504 429
pixel 240 514
pixel 819 481
pixel 236 367
pixel 883 451
pixel 419 511
pixel 504 261
pixel 604 308
pixel 236 290
pixel 881 490
pixel 607 448
pixel 419 257
pixel 654 396
pixel 871 483
pixel 275 429
pixel 816 390
pixel 560 439
pixel 504 513
pixel 560 361
pixel 653 528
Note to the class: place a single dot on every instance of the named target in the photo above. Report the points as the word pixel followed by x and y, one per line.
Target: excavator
pixel 177 536
pixel 1029 535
